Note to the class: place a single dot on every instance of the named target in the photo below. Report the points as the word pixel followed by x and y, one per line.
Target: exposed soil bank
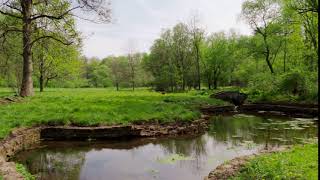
pixel 232 167
pixel 128 131
pixel 294 110
pixel 18 140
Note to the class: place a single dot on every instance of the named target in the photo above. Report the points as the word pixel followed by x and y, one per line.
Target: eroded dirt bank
pixel 292 110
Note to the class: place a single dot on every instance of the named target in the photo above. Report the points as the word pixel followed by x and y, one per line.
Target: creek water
pixel 185 158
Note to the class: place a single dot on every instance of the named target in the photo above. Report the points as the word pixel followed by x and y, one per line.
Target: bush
pixel 294 83
pixel 262 87
pixel 294 86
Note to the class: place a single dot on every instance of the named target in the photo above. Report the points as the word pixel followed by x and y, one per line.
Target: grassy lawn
pixel 100 107
pixel 5 92
pixel 299 163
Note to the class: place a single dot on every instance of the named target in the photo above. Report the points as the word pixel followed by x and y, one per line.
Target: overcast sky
pixel 141 21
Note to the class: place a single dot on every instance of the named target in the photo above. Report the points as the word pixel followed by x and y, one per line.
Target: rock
pixel 234 97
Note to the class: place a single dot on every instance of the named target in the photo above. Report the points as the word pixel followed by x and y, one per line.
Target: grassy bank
pixel 24 172
pixel 100 107
pixel 301 162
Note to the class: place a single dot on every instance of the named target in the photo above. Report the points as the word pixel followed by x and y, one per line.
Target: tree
pixel 182 51
pixel 262 15
pixel 307 10
pixel 118 68
pixel 54 61
pixel 197 36
pixel 46 16
pixel 216 58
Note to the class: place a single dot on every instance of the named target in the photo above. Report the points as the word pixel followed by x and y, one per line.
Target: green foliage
pixel 299 163
pixel 94 107
pixel 24 172
pixel 293 83
pixel 294 86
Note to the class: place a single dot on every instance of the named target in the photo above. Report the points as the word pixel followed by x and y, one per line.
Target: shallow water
pixel 186 158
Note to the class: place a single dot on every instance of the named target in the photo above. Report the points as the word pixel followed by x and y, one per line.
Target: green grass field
pixel 301 162
pixel 93 107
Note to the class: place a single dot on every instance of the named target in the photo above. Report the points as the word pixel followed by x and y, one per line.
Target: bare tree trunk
pixel 27 84
pixel 41 71
pixel 267 53
pixel 209 82
pixel 117 85
pixel 183 82
pixel 268 61
pixel 198 68
pixel 285 56
pixel 41 80
pixel 215 83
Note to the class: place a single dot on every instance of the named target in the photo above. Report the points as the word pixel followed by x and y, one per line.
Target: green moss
pixel 22 170
pixel 173 158
pixel 301 162
pixel 100 107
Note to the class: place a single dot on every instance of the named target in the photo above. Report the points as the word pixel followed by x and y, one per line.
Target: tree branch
pixel 54 17
pixel 10 14
pixel 51 37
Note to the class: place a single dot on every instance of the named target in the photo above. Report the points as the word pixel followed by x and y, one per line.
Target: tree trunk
pixel 285 56
pixel 41 71
pixel 268 61
pixel 41 83
pixel 209 82
pixel 267 53
pixel 117 85
pixel 215 83
pixel 27 84
pixel 198 67
pixel 183 83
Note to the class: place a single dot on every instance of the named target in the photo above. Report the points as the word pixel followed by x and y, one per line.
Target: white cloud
pixel 142 21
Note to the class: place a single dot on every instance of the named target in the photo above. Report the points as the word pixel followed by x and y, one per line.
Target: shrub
pixel 262 86
pixel 294 83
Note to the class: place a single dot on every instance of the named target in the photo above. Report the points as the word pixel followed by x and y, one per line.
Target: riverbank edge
pixel 25 138
pixel 230 168
pixel 22 139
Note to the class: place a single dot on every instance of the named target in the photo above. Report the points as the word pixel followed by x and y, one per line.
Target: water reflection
pixel 227 138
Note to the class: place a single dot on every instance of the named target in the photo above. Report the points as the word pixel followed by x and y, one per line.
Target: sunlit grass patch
pixel 24 172
pixel 299 163
pixel 93 107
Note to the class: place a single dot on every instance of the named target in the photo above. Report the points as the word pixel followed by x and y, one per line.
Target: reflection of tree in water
pixel 224 128
pixel 52 165
pixel 194 147
pixel 260 130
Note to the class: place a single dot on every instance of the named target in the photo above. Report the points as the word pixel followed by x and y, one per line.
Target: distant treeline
pixel 281 57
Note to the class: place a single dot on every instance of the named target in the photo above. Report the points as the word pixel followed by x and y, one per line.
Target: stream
pixel 181 158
